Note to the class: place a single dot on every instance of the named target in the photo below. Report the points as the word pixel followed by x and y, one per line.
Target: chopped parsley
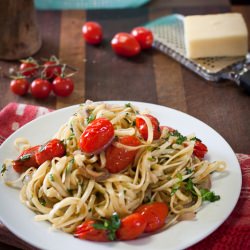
pixel 25 157
pixel 179 176
pixel 151 158
pixel 51 177
pixel 70 165
pixel 128 105
pixel 180 138
pixel 90 118
pixel 175 188
pixel 42 202
pixel 3 170
pixel 208 195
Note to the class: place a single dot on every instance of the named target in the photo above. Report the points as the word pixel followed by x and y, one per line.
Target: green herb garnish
pixel 180 138
pixel 128 105
pixel 51 177
pixel 3 170
pixel 25 157
pixel 70 165
pixel 90 118
pixel 208 195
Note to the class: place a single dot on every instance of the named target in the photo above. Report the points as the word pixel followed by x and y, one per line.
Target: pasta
pixel 70 189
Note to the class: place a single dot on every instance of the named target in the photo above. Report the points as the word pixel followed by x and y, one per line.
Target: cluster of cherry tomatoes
pixel 123 44
pixel 42 79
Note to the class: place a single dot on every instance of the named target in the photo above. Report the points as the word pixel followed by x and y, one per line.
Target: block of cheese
pixel 215 35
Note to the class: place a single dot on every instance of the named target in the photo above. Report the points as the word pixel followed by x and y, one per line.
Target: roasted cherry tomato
pixel 143 36
pixel 29 67
pixel 51 149
pixel 97 135
pixel 132 226
pixel 52 69
pixel 143 128
pixel 26 159
pixel 40 88
pixel 118 159
pixel 19 86
pixel 86 231
pixel 200 149
pixel 155 215
pixel 125 44
pixel 63 86
pixel 92 32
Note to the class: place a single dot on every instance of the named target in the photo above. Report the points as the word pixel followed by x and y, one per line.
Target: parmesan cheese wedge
pixel 215 35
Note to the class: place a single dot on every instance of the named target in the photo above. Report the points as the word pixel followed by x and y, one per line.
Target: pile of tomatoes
pixel 42 79
pixel 123 44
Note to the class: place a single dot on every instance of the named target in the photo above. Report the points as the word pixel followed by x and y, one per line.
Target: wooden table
pixel 151 77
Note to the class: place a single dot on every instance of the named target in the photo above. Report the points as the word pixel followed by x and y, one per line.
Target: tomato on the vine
pixel 155 215
pixel 63 86
pixel 29 67
pixel 97 135
pixel 132 226
pixel 118 159
pixel 200 149
pixel 19 86
pixel 143 128
pixel 26 159
pixel 51 149
pixel 92 32
pixel 40 88
pixel 125 44
pixel 143 36
pixel 52 69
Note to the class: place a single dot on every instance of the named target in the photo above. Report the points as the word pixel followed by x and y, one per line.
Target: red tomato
pixel 19 86
pixel 125 44
pixel 98 134
pixel 51 149
pixel 29 68
pixel 200 149
pixel 51 69
pixel 155 215
pixel 26 159
pixel 132 226
pixel 86 231
pixel 40 88
pixel 143 128
pixel 63 86
pixel 143 36
pixel 118 159
pixel 92 32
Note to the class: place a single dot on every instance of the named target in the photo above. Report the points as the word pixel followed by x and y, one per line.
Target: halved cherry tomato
pixel 143 36
pixel 125 44
pixel 200 149
pixel 132 226
pixel 40 88
pixel 51 149
pixel 155 215
pixel 63 86
pixel 26 159
pixel 92 32
pixel 86 231
pixel 118 159
pixel 19 86
pixel 143 128
pixel 28 68
pixel 97 135
pixel 51 69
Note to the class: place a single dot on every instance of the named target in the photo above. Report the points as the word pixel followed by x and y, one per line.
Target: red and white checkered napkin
pixel 233 234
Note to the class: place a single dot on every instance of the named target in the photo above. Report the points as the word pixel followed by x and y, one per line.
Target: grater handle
pixel 244 81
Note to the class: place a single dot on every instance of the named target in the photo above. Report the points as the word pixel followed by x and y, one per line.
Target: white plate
pixel 20 220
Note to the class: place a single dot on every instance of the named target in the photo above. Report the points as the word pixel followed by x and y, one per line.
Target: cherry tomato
pixel 92 32
pixel 19 86
pixel 143 36
pixel 155 215
pixel 118 159
pixel 51 69
pixel 63 86
pixel 125 44
pixel 28 68
pixel 26 159
pixel 97 135
pixel 51 149
pixel 200 149
pixel 132 226
pixel 40 88
pixel 86 231
pixel 143 128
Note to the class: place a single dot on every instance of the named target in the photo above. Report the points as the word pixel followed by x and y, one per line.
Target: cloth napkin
pixel 234 233
pixel 87 4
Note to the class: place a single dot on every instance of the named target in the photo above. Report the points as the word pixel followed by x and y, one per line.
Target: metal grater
pixel 169 38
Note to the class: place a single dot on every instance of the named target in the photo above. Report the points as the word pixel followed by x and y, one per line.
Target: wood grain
pixel 72 52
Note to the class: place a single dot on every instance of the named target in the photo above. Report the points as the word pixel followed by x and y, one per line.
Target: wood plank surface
pixel 151 77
